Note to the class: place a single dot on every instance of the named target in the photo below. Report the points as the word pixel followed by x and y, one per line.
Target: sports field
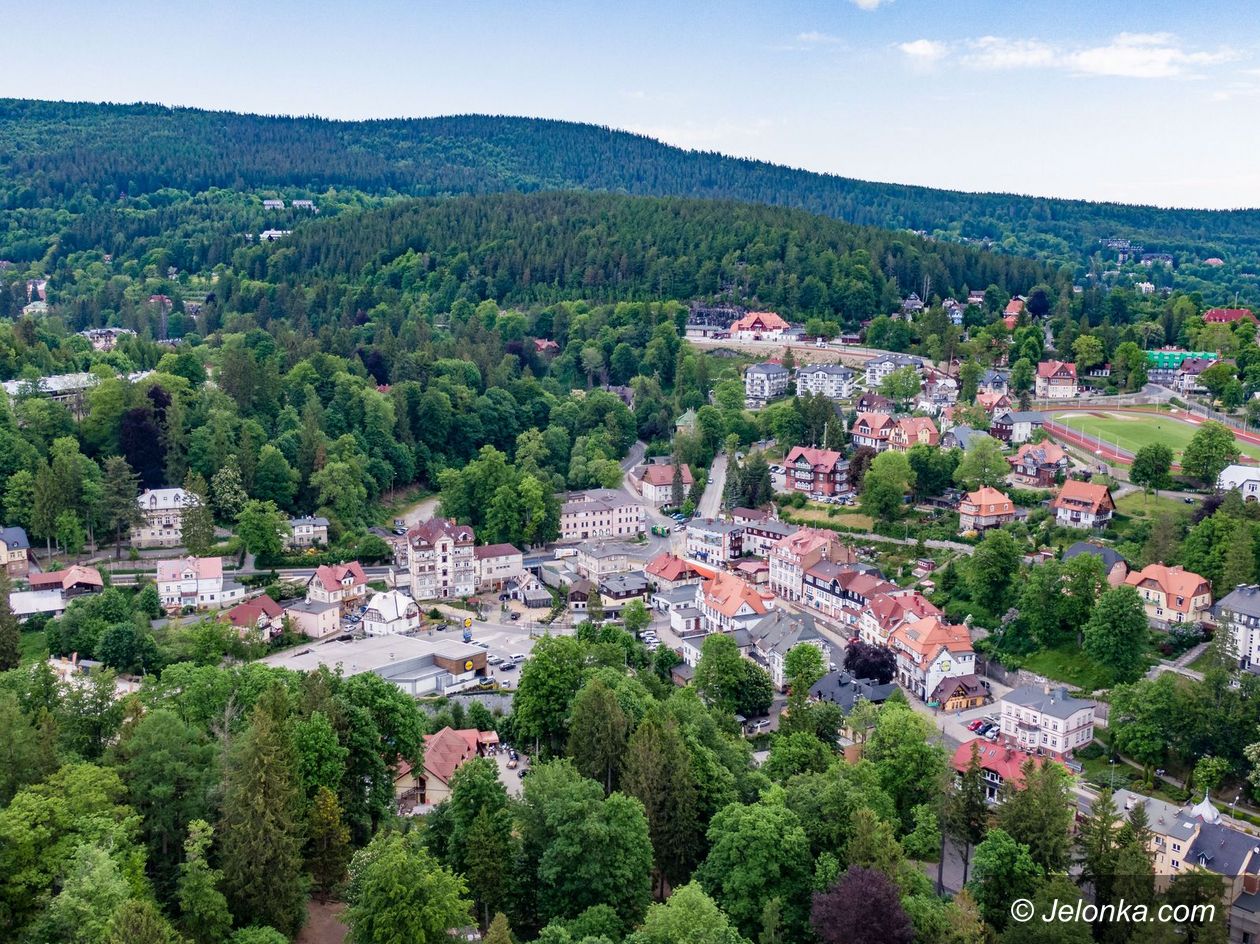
pixel 1132 431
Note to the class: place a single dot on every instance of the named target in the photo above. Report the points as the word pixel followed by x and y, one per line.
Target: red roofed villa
pixel 1001 764
pixel 658 481
pixel 984 508
pixel 759 326
pixel 345 584
pixel 444 753
pixel 1083 505
pixel 669 572
pixel 816 471
pixel 1228 315
pixel 1172 594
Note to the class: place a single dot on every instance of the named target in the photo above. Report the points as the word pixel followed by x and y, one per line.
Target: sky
pixel 1151 102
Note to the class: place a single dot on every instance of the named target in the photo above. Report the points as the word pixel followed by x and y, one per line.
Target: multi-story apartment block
pixel 830 380
pixel 497 564
pixel 728 603
pixel 816 471
pixel 714 541
pixel 601 513
pixel 873 430
pixel 764 382
pixel 930 651
pixel 441 560
pixel 984 508
pixel 773 636
pixel 791 557
pixel 161 517
pixel 877 368
pixel 1238 613
pixel 760 536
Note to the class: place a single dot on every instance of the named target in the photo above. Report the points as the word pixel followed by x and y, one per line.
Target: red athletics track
pixel 1115 454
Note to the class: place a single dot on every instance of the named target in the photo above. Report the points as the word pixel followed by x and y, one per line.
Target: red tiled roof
pixel 206 568
pixel 1076 495
pixel 760 321
pixel 668 567
pixel 819 459
pixel 726 593
pixel 487 551
pixel 1050 368
pixel 251 612
pixel 427 533
pixel 986 501
pixel 1014 307
pixel 1006 762
pixel 330 576
pixel 1227 315
pixel 65 579
pixel 1042 453
pixel 657 474
pixel 447 750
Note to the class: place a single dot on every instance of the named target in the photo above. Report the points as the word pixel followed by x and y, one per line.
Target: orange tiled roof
pixel 447 750
pixel 760 321
pixel 986 501
pixel 1173 582
pixel 1078 495
pixel 726 593
pixel 664 474
pixel 669 567
pixel 927 637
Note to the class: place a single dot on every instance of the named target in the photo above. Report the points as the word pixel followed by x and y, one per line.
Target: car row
pixel 987 728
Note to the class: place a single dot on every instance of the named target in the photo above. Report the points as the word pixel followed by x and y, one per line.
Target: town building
pixel 197 583
pixel 874 403
pixel 759 326
pixel 313 618
pixel 929 651
pixel 829 380
pixel 1083 505
pixel 261 615
pixel 596 560
pixel 161 521
pixel 764 382
pixel 1228 316
pixel 1114 564
pixel 342 584
pixel 873 430
pixel 670 572
pixel 842 591
pixel 842 689
pixel 1162 365
pixel 727 603
pixel 1188 374
pixel 760 536
pixel 792 556
pixel 1039 464
pixel 391 613
pixel 911 431
pixel 994 381
pixel 496 565
pixel 878 368
pixel 616 590
pixel 999 764
pixel 416 666
pixel 72 582
pixel 984 508
pixel 444 753
pixel 106 339
pixel 1244 479
pixel 657 481
pixel 15 551
pixel 960 693
pixel 993 401
pixel 308 531
pixel 601 513
pixel 773 636
pixel 1172 594
pixel 714 541
pixel 816 472
pixel 441 562
pixel 1056 380
pixel 1046 720
pixel 1016 426
pixel 888 608
pixel 962 437
pixel 1238 613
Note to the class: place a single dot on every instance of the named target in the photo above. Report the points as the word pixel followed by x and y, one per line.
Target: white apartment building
pixel 831 380
pixel 877 368
pixel 162 517
pixel 764 382
pixel 1045 719
pixel 196 582
pixel 601 513
pixel 497 564
pixel 441 560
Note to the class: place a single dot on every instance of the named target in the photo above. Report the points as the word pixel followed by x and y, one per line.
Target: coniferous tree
pixel 118 502
pixel 598 729
pixel 966 810
pixel 261 825
pixel 203 911
pixel 329 846
pixel 10 631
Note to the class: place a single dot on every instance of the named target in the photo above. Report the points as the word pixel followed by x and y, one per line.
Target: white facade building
pixel 1046 719
pixel 441 561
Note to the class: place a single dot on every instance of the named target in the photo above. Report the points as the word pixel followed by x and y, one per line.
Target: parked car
pixel 511 764
pixel 984 729
pixel 507 667
pixel 514 617
pixel 993 734
pixel 494 660
pixel 517 657
pixel 975 725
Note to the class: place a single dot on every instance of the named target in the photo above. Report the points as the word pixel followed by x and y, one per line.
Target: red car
pixel 975 724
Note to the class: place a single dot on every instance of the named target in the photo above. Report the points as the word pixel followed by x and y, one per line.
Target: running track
pixel 1111 453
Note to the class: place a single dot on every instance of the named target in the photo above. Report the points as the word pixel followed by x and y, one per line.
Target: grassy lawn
pixel 1138 505
pixel 33 647
pixel 849 519
pixel 1068 664
pixel 1132 431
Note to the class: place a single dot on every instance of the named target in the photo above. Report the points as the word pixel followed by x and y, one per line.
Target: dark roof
pixel 15 538
pixel 1056 703
pixel 971 685
pixel 1220 849
pixel 1110 556
pixel 844 690
pixel 1244 600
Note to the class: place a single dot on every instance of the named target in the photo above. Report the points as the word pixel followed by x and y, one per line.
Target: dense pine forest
pixel 79 158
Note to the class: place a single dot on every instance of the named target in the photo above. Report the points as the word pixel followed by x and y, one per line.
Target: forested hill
pixel 66 152
pixel 545 247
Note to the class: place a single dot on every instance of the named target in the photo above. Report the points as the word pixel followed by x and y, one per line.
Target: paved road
pixel 711 500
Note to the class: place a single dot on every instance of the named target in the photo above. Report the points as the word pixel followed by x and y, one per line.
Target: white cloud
pixel 869 4
pixel 815 38
pixel 924 51
pixel 1128 55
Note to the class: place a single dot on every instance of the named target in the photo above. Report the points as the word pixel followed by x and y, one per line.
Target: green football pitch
pixel 1132 431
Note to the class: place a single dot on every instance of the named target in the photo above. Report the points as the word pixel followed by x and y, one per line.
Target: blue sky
pixel 1153 102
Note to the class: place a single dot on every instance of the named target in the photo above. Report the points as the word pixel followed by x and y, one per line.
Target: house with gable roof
pixel 342 584
pixel 441 560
